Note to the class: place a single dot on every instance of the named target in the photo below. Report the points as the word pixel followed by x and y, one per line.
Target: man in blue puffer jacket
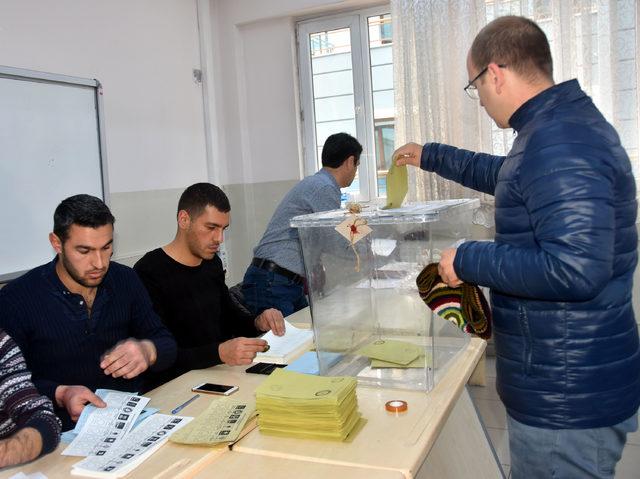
pixel 561 267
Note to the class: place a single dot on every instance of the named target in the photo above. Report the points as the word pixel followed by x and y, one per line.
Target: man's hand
pixel 445 268
pixel 129 358
pixel 238 351
pixel 271 320
pixel 22 446
pixel 75 398
pixel 408 154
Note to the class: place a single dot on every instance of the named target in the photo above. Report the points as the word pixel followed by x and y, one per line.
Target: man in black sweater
pixel 187 286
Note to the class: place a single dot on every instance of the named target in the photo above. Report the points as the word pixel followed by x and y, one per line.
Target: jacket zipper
pixel 526 333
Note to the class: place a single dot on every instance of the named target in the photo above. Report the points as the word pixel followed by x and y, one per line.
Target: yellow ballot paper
pixel 397 185
pixel 392 351
pixel 304 388
pixel 222 421
pixel 306 406
pixel 419 362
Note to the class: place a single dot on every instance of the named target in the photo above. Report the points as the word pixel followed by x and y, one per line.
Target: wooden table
pixel 440 436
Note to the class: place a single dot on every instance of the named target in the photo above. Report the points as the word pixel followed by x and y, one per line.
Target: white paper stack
pixel 284 349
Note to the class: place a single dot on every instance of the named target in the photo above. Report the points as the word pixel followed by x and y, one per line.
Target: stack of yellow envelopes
pixel 306 406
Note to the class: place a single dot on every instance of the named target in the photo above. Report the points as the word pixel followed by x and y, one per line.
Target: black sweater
pixel 194 303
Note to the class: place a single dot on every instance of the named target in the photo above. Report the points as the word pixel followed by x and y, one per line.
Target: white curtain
pixel 592 40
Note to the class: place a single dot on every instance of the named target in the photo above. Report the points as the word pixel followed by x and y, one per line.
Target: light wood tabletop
pixel 388 446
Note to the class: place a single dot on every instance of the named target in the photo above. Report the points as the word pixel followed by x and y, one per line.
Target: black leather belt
pixel 274 268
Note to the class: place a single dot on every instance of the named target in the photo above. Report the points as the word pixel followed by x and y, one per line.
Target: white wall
pixel 256 85
pixel 255 102
pixel 143 52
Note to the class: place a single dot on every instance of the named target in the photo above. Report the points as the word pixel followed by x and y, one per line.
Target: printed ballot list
pixel 136 447
pixel 222 421
pixel 99 429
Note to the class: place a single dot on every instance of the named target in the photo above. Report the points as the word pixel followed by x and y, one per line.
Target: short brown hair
pixel 82 210
pixel 197 197
pixel 516 42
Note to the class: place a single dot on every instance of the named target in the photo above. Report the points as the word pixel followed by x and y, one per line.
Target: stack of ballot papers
pixel 284 349
pixel 305 406
pixel 389 353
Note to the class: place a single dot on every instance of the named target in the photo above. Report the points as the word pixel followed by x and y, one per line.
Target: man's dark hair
pixel 200 195
pixel 338 147
pixel 518 43
pixel 81 210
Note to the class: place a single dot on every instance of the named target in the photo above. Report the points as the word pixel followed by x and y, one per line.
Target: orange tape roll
pixel 396 406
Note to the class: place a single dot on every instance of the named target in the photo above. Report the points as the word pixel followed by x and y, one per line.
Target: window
pixel 346 84
pixel 594 42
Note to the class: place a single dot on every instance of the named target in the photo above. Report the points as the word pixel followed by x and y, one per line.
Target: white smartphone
pixel 210 388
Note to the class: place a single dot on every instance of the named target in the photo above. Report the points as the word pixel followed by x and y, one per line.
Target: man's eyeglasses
pixel 471 90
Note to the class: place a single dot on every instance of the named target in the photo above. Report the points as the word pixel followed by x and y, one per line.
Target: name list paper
pixel 135 448
pixel 222 421
pixel 101 428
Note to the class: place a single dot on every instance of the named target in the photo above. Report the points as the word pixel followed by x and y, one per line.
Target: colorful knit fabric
pixel 20 403
pixel 465 306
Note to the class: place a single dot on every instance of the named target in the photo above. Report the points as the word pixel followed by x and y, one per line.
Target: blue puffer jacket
pixel 561 267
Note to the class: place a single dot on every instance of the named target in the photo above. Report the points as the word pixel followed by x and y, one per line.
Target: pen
pixel 184 404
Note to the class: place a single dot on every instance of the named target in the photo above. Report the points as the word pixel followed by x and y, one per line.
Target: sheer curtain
pixel 592 40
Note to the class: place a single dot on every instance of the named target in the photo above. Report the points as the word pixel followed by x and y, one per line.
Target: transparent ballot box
pixel 368 318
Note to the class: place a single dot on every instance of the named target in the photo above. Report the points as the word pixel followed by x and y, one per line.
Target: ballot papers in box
pixel 306 406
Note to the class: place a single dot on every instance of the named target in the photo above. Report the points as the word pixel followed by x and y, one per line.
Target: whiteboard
pixel 51 147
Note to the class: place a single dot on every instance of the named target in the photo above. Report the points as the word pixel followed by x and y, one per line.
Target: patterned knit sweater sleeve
pixel 21 405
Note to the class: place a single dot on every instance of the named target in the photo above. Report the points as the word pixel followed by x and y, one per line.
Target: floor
pixel 494 417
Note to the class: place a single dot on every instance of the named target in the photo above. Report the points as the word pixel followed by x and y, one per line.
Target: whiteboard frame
pixel 44 77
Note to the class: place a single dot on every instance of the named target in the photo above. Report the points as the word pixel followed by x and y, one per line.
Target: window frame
pixel 357 22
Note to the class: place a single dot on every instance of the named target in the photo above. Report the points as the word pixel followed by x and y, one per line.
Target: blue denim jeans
pixel 266 289
pixel 538 453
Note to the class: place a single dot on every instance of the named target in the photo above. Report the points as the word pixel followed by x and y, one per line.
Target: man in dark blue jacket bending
pixel 561 267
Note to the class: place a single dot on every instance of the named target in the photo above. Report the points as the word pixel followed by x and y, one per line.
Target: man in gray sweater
pixel 275 278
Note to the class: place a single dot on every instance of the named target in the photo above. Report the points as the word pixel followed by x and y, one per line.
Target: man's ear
pixel 496 76
pixel 56 243
pixel 184 220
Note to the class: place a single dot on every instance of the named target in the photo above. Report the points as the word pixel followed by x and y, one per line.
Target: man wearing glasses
pixel 561 267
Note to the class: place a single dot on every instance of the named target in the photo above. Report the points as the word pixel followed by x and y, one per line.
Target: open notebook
pixel 284 349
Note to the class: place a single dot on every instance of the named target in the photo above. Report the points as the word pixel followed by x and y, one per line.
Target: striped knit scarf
pixel 465 306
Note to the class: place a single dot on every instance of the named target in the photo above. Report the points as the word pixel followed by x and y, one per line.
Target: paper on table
pixel 308 362
pixel 392 351
pixel 282 349
pixel 99 429
pixel 222 421
pixel 397 185
pixel 33 475
pixel 133 449
pixel 69 436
